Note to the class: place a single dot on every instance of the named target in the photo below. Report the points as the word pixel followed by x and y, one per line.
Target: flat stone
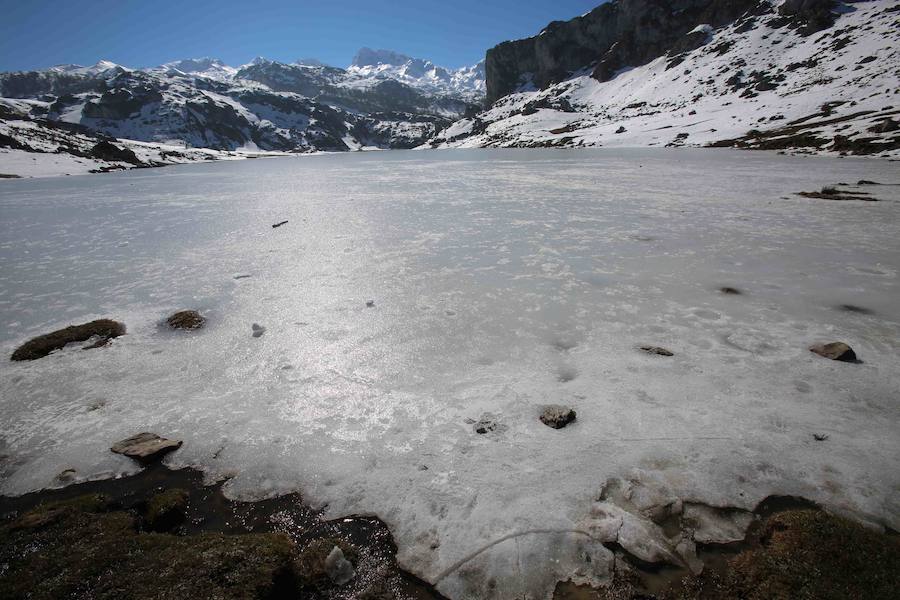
pixel 835 351
pixel 145 447
pixel 557 416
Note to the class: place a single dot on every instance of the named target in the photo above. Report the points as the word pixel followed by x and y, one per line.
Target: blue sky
pixel 139 33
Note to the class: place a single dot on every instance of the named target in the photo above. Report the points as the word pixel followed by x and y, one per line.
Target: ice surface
pixel 503 281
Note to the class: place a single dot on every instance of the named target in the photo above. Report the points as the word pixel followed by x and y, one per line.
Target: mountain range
pixel 793 75
pixel 265 105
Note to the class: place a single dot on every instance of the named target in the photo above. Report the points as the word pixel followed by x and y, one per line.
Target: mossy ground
pixel 82 549
pixel 164 534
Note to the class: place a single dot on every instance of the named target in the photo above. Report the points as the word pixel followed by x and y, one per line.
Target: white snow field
pixel 502 281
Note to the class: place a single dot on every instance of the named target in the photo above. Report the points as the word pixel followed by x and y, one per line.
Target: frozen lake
pixel 502 281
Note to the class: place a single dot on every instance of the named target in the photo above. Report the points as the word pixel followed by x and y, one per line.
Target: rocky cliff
pixel 619 34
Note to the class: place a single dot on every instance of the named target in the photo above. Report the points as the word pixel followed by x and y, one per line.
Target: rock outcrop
pixel 101 329
pixel 614 35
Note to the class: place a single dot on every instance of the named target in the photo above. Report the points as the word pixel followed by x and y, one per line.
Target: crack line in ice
pixel 455 566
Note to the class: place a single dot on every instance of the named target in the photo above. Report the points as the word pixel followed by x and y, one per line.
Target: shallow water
pixel 502 281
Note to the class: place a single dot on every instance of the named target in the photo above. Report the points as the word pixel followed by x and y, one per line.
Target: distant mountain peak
pixel 309 62
pixel 367 57
pixel 419 73
pixel 101 66
pixel 191 65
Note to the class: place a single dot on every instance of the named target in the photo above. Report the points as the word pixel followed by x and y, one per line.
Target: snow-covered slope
pixel 766 80
pixel 467 82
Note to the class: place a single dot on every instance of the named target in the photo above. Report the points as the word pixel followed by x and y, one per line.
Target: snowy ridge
pixel 468 82
pixel 757 82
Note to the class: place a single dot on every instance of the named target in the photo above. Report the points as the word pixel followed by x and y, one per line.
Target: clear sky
pixel 140 33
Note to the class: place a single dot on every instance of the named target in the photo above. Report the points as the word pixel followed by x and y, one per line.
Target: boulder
pixel 43 345
pixel 557 416
pixel 835 351
pixel 186 319
pixel 145 447
pixel 106 150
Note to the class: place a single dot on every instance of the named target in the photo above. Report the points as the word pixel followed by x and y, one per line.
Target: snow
pixel 502 281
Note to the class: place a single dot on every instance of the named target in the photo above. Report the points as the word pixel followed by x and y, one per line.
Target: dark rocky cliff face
pixel 618 34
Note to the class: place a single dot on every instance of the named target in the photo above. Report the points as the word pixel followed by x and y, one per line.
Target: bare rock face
pixel 557 416
pixel 104 329
pixel 835 351
pixel 612 36
pixel 186 319
pixel 105 150
pixel 145 447
pixel 808 16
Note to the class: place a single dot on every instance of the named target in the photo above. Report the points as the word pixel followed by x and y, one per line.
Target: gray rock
pixel 258 330
pixel 339 569
pixel 657 350
pixel 557 416
pixel 835 351
pixel 145 447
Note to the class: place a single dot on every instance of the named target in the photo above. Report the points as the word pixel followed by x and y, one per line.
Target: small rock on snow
pixel 657 350
pixel 258 330
pixel 186 319
pixel 835 351
pixel 557 416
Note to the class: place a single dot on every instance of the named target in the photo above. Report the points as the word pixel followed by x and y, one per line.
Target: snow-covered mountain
pixel 204 67
pixel 202 103
pixel 467 82
pixel 806 75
